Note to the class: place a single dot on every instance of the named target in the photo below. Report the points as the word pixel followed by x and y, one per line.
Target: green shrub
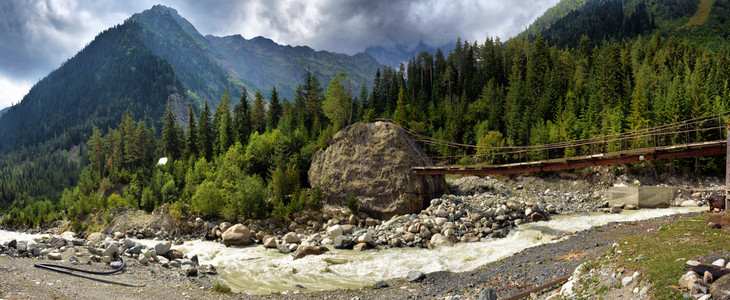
pixel 316 203
pixel 352 203
pixel 207 200
pixel 222 288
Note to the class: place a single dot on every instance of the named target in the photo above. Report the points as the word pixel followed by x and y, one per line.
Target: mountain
pixel 702 21
pixel 393 57
pixel 155 55
pixel 115 72
pixel 260 63
pixel 4 110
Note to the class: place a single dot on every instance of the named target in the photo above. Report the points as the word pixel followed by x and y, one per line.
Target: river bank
pixel 274 272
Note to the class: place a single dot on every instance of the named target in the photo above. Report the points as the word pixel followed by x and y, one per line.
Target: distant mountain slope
pixel 115 72
pixel 705 21
pixel 173 38
pixel 393 57
pixel 3 111
pixel 261 63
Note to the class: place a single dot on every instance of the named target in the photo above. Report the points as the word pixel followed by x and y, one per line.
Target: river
pixel 255 270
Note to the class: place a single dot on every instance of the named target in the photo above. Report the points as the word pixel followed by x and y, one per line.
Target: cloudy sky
pixel 36 36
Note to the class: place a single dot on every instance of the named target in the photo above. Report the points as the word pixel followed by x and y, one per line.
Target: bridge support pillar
pixel 727 168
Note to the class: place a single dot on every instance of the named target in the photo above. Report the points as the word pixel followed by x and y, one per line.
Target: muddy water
pixel 255 270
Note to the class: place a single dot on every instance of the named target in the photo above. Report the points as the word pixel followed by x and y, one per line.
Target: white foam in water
pixel 7 236
pixel 255 270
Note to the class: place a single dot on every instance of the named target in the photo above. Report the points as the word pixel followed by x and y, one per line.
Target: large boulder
pixel 373 162
pixel 238 235
pixel 305 250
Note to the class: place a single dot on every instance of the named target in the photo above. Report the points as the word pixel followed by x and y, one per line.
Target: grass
pixel 700 17
pixel 665 251
pixel 222 288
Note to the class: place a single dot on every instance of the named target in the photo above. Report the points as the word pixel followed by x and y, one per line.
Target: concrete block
pixel 642 197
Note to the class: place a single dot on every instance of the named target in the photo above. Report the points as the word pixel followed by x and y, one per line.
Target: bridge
pixel 702 136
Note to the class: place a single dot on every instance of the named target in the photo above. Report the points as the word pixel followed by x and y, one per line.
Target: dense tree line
pixel 246 160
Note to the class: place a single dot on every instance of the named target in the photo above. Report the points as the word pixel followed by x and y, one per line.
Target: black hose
pixel 68 271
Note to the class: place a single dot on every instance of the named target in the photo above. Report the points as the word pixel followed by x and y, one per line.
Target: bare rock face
pixel 373 161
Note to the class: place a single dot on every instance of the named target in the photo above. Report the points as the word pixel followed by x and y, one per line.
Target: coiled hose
pixel 71 270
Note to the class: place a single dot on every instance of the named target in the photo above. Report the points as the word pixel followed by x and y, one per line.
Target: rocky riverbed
pixel 477 209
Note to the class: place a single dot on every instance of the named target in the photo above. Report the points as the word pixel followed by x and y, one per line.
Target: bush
pixel 222 288
pixel 207 200
pixel 316 203
pixel 352 203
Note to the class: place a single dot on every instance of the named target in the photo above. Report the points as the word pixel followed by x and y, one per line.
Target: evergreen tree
pixel 96 151
pixel 242 119
pixel 337 103
pixel 258 114
pixel 170 134
pixel 191 136
pixel 206 133
pixel 274 112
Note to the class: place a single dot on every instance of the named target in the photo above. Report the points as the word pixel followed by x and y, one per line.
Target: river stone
pixel 373 162
pixel 360 247
pixel 162 247
pixel 615 209
pixel 380 285
pixel 270 242
pixel 237 235
pixel 95 237
pixel 688 279
pixel 292 238
pixel 440 221
pixel 441 213
pixel 366 238
pixel 128 242
pixel 720 263
pixel 22 246
pixel 54 255
pixel 58 241
pixel 438 240
pixel 415 275
pixel 488 294
pixel 343 242
pixel 335 231
pixel 720 289
pixel 303 251
pixel 137 249
pixel 111 251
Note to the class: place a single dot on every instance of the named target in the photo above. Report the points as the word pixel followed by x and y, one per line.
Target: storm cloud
pixel 37 36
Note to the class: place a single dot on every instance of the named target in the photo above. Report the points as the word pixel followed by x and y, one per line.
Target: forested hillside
pixel 261 63
pixel 703 22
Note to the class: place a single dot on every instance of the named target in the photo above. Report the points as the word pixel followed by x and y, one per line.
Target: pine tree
pixel 96 151
pixel 191 137
pixel 258 114
pixel 206 133
pixel 242 119
pixel 337 104
pixel 170 135
pixel 274 112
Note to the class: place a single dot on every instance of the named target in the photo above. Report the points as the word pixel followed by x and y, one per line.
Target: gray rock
pixel 163 260
pixel 366 238
pixel 174 263
pixel 335 231
pixel 439 240
pixel 22 246
pixel 380 284
pixel 441 213
pixel 162 247
pixel 129 243
pixel 615 209
pixel 440 221
pixel 111 251
pixel 626 280
pixel 303 251
pixel 58 242
pixel 54 255
pixel 719 263
pixel 95 237
pixel 720 289
pixel 116 264
pixel 292 238
pixel 237 235
pixel 353 164
pixel 415 275
pixel 189 270
pixel 135 250
pixel 488 294
pixel 343 242
pixel 270 242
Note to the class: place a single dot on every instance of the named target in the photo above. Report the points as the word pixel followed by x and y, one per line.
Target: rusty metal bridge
pixel 702 136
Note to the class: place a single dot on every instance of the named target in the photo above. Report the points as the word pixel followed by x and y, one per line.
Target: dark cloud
pixel 36 36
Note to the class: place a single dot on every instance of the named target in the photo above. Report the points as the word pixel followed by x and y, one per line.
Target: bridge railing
pixel 686 132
